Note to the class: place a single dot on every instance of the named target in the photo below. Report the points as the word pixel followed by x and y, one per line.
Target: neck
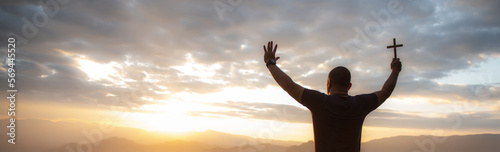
pixel 337 92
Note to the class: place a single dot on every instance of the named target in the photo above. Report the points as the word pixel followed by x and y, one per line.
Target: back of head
pixel 339 78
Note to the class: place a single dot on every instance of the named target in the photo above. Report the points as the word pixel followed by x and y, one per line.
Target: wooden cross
pixel 394 46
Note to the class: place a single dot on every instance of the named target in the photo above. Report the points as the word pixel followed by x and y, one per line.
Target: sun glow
pixel 166 121
pixel 172 116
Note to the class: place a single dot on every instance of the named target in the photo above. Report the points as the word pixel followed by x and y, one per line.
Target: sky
pixel 181 66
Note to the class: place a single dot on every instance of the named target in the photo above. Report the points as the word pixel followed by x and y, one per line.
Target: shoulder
pixel 369 102
pixel 312 97
pixel 368 96
pixel 309 93
pixel 313 91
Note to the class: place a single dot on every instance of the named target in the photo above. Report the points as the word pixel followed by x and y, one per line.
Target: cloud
pixel 148 39
pixel 378 118
pixel 453 121
pixel 264 111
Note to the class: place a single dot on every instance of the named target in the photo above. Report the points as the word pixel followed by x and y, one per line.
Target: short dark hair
pixel 340 77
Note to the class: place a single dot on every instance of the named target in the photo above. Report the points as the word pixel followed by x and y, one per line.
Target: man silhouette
pixel 337 117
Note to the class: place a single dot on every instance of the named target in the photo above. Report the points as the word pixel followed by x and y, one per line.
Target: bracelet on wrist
pixel 270 62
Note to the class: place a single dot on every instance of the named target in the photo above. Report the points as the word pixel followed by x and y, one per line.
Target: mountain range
pixel 467 143
pixel 47 136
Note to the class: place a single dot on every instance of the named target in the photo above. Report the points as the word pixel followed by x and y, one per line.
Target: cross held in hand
pixel 394 46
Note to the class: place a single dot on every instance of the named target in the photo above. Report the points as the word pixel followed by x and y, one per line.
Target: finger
pixel 275 47
pixel 268 43
pixel 277 58
pixel 264 46
pixel 271 46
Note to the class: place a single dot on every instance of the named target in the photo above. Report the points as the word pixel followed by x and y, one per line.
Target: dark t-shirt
pixel 338 120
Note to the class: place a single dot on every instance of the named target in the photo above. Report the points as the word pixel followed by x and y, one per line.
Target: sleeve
pixel 369 102
pixel 313 99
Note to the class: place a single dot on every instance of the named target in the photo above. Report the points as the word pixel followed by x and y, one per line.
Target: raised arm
pixel 292 88
pixel 390 83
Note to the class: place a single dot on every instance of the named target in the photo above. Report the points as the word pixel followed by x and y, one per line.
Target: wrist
pixel 272 65
pixel 396 71
pixel 270 62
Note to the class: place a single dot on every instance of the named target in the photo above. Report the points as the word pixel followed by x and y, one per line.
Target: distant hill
pixel 305 147
pixel 116 144
pixel 225 139
pixel 43 136
pixel 36 135
pixel 48 133
pixel 468 143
